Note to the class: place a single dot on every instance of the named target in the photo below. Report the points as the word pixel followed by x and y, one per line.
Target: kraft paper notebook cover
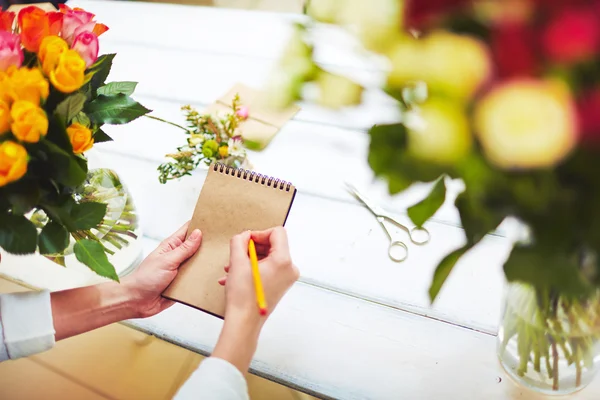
pixel 231 201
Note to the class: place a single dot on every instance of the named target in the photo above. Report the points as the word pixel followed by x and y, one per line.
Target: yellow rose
pixel 5 87
pixel 28 84
pixel 224 151
pixel 29 122
pixel 81 138
pixel 4 117
pixel 13 162
pixel 439 132
pixel 50 50
pixel 68 76
pixel 526 124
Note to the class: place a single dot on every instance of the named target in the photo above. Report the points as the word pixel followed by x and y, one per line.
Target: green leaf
pixel 386 141
pixel 116 109
pixel 53 239
pixel 92 254
pixel 476 218
pixel 17 234
pixel 67 109
pixel 126 88
pixel 23 196
pixel 443 270
pixel 100 70
pixel 82 119
pixel 101 136
pixel 86 215
pixel 66 168
pixel 423 210
pixel 389 158
pixel 546 269
pixel 57 134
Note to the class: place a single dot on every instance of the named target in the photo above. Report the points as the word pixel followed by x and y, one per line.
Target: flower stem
pixel 166 122
pixel 555 366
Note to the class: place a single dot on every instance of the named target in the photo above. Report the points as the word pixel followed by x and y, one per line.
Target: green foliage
pixel 76 217
pixel 23 196
pixel 546 269
pixel 422 211
pixel 91 253
pixel 126 88
pixel 114 109
pixel 64 167
pixel 17 234
pixel 100 70
pixel 53 239
pixel 101 136
pixel 390 159
pixel 443 270
pixel 208 141
pixel 70 107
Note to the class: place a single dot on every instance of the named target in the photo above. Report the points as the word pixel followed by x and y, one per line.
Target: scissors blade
pixel 375 209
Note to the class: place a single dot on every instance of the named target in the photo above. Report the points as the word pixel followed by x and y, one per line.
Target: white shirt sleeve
pixel 215 379
pixel 26 325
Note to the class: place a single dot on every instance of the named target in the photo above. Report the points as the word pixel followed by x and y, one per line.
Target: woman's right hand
pixel 277 271
pixel 243 322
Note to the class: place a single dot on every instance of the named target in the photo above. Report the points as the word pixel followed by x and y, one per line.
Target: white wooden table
pixel 356 326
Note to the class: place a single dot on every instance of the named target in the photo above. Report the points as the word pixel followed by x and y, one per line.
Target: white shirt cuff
pixel 27 323
pixel 215 378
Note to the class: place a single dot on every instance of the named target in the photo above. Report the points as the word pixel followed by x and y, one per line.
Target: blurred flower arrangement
pixel 210 138
pixel 53 104
pixel 505 96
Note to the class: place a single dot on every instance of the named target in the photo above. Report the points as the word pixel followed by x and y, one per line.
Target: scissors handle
pixel 418 235
pixel 398 251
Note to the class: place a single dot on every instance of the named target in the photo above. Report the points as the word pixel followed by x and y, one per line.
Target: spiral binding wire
pixel 253 176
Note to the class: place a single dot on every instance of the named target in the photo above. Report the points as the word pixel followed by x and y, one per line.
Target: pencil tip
pixel 263 311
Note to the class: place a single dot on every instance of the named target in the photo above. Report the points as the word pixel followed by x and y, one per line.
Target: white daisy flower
pixel 235 147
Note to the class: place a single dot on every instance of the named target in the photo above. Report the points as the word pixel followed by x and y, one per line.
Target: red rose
pixel 421 12
pixel 513 50
pixel 572 36
pixel 589 116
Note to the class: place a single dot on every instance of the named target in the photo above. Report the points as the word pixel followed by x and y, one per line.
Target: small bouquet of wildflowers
pixel 210 138
pixel 53 104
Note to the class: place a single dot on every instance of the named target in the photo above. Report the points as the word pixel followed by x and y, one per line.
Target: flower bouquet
pixel 54 102
pixel 210 138
pixel 505 96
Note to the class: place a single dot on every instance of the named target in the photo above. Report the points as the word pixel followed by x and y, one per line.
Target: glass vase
pixel 119 231
pixel 549 343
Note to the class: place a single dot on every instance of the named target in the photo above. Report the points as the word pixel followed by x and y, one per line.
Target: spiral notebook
pixel 231 201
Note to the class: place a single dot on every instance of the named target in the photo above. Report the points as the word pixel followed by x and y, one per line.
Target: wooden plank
pixel 199 77
pixel 334 346
pixel 317 158
pixel 343 253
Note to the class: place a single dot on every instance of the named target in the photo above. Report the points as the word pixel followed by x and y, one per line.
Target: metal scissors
pixel 397 251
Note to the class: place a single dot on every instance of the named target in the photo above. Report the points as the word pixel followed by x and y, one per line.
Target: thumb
pixel 186 249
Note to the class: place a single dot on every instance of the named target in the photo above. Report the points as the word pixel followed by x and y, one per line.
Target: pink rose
pixel 10 50
pixel 243 112
pixel 76 21
pixel 86 44
pixel 572 36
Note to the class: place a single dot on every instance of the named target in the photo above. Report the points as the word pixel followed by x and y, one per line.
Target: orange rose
pixel 81 138
pixel 13 162
pixel 29 122
pixel 6 20
pixel 36 24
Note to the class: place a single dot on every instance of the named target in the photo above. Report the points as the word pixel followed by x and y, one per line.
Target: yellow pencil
pixel 260 294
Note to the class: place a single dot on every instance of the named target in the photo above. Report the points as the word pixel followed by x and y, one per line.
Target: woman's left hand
pixel 158 270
